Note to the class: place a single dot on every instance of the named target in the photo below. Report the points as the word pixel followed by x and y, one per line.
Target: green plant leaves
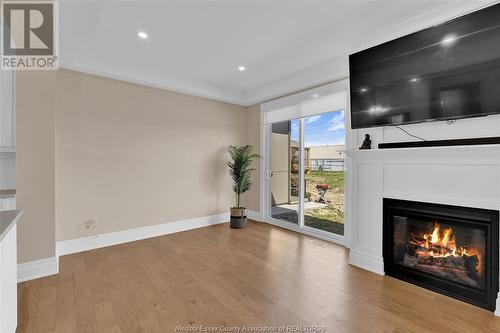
pixel 240 168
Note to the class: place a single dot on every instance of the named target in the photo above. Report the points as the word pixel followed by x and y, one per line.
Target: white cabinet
pixel 8 282
pixel 8 271
pixel 7 111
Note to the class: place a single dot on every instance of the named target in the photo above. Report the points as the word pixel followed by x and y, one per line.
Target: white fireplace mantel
pixel 456 175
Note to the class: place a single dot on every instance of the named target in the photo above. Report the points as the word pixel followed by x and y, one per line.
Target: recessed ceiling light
pixel 414 79
pixel 364 90
pixel 315 95
pixel 241 68
pixel 448 40
pixel 142 35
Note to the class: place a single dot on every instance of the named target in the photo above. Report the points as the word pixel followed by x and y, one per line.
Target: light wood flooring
pixel 215 276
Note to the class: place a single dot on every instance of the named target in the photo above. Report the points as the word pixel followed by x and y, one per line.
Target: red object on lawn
pixel 322 189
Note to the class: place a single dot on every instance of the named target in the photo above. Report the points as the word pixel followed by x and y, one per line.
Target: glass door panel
pixel 324 145
pixel 285 165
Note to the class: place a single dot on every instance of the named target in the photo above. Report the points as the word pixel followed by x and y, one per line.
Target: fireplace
pixel 448 249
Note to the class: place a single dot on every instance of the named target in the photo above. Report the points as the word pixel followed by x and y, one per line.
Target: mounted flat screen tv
pixel 449 71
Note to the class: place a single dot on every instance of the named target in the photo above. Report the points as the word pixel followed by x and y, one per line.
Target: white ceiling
pixel 195 47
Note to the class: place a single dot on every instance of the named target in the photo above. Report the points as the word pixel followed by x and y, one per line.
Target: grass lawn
pixel 330 217
pixel 335 179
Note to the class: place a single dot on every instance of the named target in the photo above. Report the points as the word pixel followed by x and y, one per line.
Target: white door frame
pixel 265 175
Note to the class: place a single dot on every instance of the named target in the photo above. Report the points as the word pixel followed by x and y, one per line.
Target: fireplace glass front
pixel 446 250
pixel 452 250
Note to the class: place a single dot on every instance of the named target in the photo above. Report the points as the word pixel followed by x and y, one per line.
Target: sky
pixel 320 130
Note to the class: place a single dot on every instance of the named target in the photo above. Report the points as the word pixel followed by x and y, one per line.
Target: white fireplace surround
pixel 463 175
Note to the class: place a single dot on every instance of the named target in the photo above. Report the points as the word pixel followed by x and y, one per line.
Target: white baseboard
pixel 45 267
pixel 497 308
pixel 254 215
pixel 369 262
pixel 130 235
pixel 37 269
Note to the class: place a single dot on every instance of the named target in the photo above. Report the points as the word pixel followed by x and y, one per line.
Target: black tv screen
pixel 449 71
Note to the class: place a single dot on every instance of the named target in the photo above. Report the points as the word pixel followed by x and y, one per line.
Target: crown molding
pixel 171 83
pixel 324 73
pixel 329 71
pixel 338 67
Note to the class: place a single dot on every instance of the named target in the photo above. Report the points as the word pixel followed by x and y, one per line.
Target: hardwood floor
pixel 214 276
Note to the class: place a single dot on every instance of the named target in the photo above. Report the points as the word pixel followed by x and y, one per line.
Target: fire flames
pixel 437 252
pixel 439 244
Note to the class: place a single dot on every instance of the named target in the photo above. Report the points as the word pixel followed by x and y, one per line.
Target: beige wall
pixel 35 164
pixel 129 155
pixel 134 156
pixel 251 199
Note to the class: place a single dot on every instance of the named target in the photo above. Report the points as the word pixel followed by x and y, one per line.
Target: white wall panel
pixel 464 176
pixel 463 181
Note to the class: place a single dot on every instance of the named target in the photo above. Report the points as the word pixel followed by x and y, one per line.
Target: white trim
pixel 265 138
pixel 329 97
pixel 265 190
pixel 302 180
pixel 474 154
pixel 37 269
pixel 333 237
pixel 171 83
pixel 350 142
pixel 497 308
pixel 262 163
pixel 426 174
pixel 366 261
pixel 326 236
pixel 332 70
pixel 414 23
pixel 335 68
pixel 254 215
pixel 50 266
pixel 135 234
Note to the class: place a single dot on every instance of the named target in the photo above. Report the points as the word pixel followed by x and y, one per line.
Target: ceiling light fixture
pixel 363 90
pixel 241 68
pixel 142 35
pixel 414 79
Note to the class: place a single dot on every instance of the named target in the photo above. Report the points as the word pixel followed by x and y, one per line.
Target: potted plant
pixel 240 170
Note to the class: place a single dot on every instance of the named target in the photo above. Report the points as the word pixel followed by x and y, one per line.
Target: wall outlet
pixel 91 223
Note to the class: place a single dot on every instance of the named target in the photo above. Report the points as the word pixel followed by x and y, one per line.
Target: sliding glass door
pixel 324 146
pixel 285 165
pixel 306 181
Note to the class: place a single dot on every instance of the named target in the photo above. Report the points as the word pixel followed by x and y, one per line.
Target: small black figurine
pixel 367 144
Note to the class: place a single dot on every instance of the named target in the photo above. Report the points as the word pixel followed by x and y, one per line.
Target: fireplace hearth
pixel 449 249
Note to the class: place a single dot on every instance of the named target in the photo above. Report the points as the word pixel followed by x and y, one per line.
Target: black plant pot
pixel 238 218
